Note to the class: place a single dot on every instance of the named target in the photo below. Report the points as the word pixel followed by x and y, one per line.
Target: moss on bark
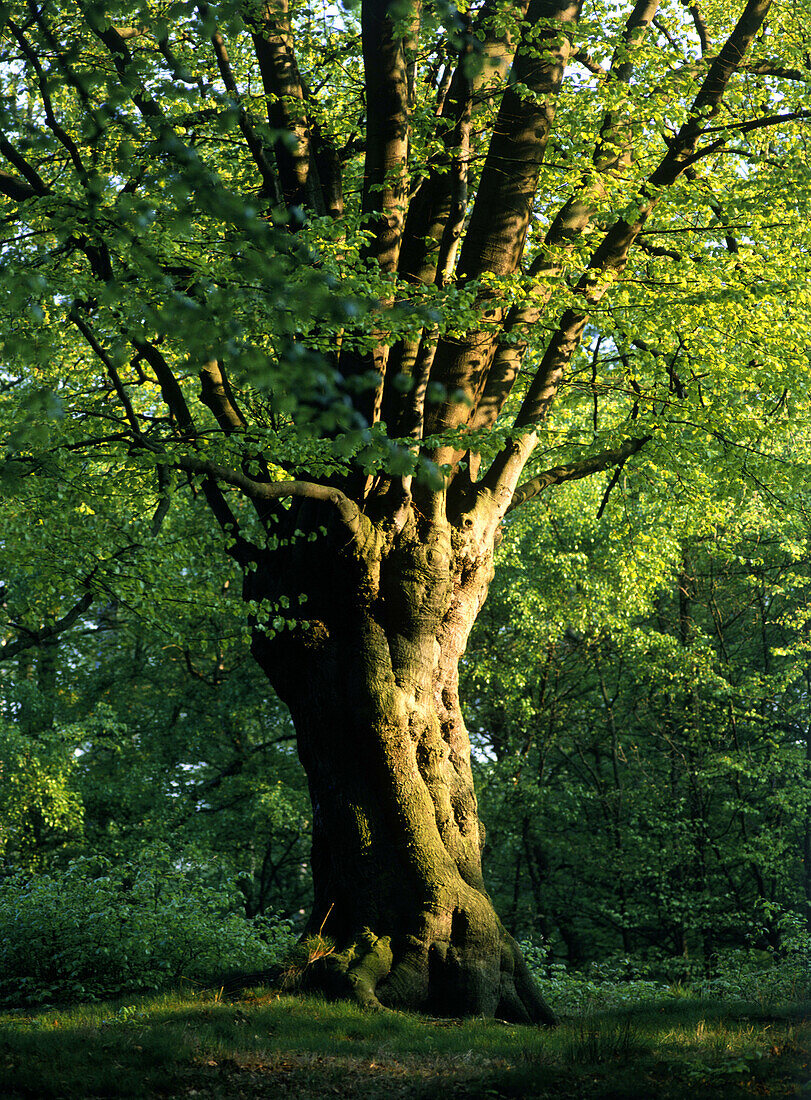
pixel 373 691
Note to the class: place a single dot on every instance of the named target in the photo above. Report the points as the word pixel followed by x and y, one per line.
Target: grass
pixel 270 1045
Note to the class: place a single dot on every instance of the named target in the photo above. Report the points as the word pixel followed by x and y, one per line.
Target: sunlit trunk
pixel 371 683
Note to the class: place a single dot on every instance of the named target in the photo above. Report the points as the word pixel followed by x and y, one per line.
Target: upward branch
pixel 609 259
pixel 501 213
pixel 573 471
pixel 385 25
pixel 612 154
pixel 31 639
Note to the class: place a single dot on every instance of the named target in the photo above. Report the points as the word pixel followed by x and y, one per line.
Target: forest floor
pixel 269 1045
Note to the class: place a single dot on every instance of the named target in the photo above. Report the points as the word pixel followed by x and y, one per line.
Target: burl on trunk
pixel 371 682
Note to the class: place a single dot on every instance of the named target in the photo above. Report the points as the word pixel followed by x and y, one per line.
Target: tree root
pixel 521 1001
pixel 438 979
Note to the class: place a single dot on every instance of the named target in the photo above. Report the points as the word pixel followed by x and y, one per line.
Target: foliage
pixel 638 687
pixel 40 810
pixel 605 987
pixel 152 721
pixel 97 929
pixel 768 979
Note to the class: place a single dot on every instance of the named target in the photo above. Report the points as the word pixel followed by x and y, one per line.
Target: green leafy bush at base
pixel 765 978
pixel 608 985
pixel 98 929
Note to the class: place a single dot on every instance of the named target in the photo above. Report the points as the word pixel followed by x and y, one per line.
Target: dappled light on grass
pixel 267 1044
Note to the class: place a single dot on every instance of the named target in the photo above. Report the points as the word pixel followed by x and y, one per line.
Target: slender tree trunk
pixel 372 688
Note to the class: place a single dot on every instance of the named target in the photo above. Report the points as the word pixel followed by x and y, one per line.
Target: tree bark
pixel 371 682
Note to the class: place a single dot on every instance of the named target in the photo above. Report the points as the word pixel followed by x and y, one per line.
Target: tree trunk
pixel 371 682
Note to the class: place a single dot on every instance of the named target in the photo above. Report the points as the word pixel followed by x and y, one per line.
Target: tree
pixel 641 745
pixel 126 723
pixel 378 244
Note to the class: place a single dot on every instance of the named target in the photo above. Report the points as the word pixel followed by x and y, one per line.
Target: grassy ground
pixel 267 1045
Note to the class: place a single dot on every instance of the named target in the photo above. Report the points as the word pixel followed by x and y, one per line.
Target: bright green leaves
pixel 40 811
pixel 636 684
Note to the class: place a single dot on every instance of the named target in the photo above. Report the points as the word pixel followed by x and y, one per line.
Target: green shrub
pixel 766 977
pixel 573 994
pixel 98 929
pixel 613 983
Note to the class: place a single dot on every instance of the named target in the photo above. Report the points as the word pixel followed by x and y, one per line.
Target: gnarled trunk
pixel 371 682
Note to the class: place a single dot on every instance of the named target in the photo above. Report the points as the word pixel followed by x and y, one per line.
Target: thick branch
pixel 501 213
pixel 430 208
pixel 407 356
pixel 123 61
pixel 573 471
pixel 59 133
pixel 385 174
pixel 170 387
pixel 775 69
pixel 273 42
pixel 612 153
pixel 346 509
pixel 270 184
pixel 458 196
pixel 34 638
pixel 13 187
pixel 700 25
pixel 500 217
pixel 609 259
pixel 216 393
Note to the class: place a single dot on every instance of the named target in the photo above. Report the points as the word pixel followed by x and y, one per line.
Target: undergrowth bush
pixel 98 929
pixel 613 983
pixel 766 978
pixel 575 994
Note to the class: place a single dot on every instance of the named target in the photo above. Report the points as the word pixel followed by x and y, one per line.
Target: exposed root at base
pixel 521 1001
pixel 366 973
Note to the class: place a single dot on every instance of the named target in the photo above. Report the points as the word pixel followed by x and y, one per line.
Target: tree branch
pixel 744 128
pixel 346 509
pixel 775 69
pixel 700 25
pixel 270 183
pixel 115 378
pixel 15 188
pixel 34 638
pixel 36 184
pixel 430 206
pixel 385 172
pixel 59 133
pixel 612 153
pixel 609 259
pixel 499 221
pixel 216 393
pixel 573 471
pixel 169 385
pixel 273 43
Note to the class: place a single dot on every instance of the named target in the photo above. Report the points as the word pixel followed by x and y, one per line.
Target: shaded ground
pixel 267 1045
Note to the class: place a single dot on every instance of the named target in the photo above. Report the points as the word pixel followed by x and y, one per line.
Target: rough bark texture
pixel 372 687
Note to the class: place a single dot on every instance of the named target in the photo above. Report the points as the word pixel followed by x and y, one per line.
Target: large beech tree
pixel 351 277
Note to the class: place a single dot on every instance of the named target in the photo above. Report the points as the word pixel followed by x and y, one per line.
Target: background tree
pixel 499 191
pixel 644 735
pixel 151 723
